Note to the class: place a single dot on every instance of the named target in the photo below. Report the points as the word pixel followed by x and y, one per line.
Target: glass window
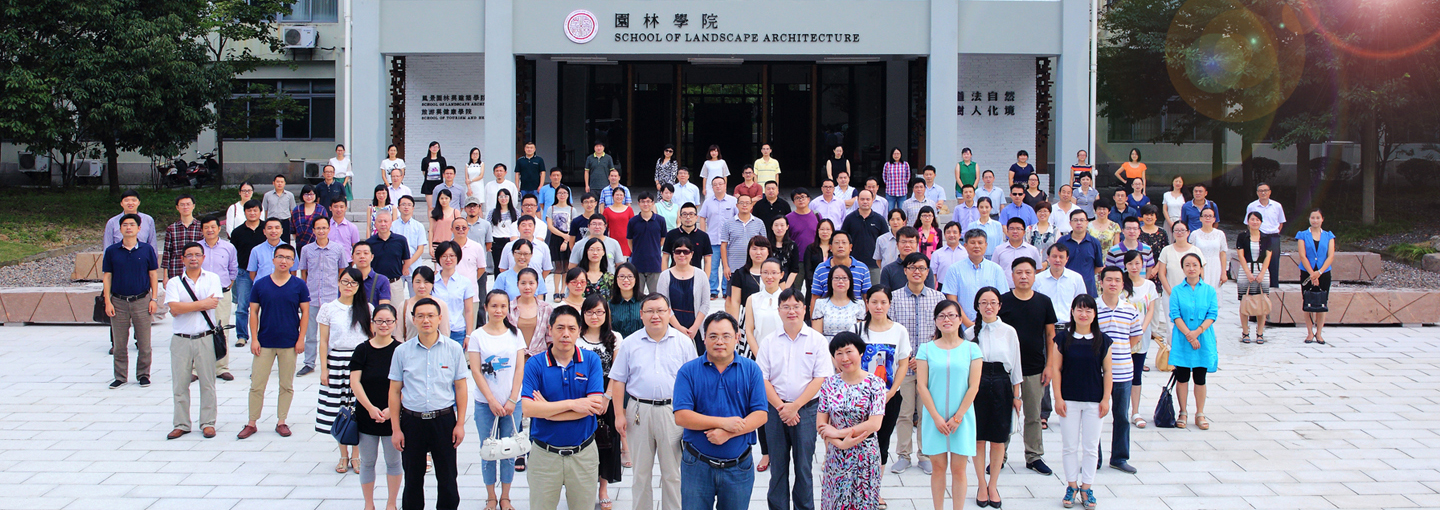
pixel 250 114
pixel 313 11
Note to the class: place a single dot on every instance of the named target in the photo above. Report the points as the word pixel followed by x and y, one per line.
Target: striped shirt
pixel 1116 256
pixel 917 313
pixel 1119 323
pixel 859 274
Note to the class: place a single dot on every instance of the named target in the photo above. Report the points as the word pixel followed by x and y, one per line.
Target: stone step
pixel 1360 307
pixel 1349 266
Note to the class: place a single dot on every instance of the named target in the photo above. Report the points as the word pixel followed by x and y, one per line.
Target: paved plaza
pixel 1295 426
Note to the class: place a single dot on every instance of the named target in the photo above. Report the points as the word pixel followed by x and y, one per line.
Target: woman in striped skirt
pixel 344 324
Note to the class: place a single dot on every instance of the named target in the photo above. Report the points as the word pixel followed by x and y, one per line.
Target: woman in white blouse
pixel 1173 201
pixel 235 215
pixel 999 395
pixel 342 170
pixel 344 325
pixel 392 161
pixel 475 174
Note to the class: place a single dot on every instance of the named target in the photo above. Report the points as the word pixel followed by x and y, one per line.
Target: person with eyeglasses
pixel 563 392
pixel 472 254
pixel 686 290
pixel 645 367
pixel 279 334
pixel 794 364
pixel 909 306
pixel 344 324
pixel 948 370
pixel 191 348
pixel 319 264
pixel 370 381
pixel 719 428
pixel 427 382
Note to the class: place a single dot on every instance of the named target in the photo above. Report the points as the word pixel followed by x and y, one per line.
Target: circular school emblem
pixel 580 26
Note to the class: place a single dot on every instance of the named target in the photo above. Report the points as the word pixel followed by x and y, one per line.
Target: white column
pixel 369 91
pixel 1073 106
pixel 499 83
pixel 943 80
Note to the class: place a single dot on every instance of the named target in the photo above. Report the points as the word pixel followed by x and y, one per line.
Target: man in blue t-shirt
pixel 718 398
pixel 645 233
pixel 564 392
pixel 279 335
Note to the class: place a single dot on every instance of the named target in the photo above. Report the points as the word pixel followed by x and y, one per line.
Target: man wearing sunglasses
pixel 1017 208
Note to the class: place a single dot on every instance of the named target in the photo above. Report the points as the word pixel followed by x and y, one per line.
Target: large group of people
pixel 847 318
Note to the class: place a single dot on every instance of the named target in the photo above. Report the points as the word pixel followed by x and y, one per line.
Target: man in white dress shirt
pixel 1272 221
pixel 795 361
pixel 645 366
pixel 191 347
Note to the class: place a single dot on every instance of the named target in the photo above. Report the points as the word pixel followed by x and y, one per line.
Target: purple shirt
pixel 802 229
pixel 833 210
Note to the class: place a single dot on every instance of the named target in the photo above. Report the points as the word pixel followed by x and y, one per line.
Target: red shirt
pixel 752 191
pixel 618 224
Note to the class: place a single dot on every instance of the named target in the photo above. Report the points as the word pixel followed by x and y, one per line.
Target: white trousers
pixel 654 436
pixel 1080 428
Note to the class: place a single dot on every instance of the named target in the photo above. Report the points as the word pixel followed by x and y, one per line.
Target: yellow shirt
pixel 767 171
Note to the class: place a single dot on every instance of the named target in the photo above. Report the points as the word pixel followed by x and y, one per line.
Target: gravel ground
pixel 47 272
pixel 1420 234
pixel 1399 276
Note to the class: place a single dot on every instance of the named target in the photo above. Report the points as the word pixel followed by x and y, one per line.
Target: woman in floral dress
pixel 852 405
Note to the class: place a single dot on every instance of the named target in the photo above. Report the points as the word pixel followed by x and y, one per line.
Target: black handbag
pixel 217 335
pixel 1315 301
pixel 1165 408
pixel 99 315
pixel 345 429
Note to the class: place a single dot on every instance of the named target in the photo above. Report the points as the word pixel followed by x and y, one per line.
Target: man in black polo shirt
pixel 689 215
pixel 130 271
pixel 245 237
pixel 771 206
pixel 1033 317
pixel 391 251
pixel 865 226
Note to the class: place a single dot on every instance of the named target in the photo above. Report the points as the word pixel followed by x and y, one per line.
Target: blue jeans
pixel 458 337
pixel 717 280
pixel 895 203
pixel 789 443
pixel 704 487
pixel 1120 414
pixel 240 294
pixel 484 420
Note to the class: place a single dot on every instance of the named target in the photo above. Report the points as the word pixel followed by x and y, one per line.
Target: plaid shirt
pixel 176 237
pixel 916 312
pixel 897 178
pixel 303 225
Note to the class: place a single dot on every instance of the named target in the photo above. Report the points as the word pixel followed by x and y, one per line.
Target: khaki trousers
pixel 1031 394
pixel 197 354
pixel 905 425
pixel 260 377
pixel 549 472
pixel 130 314
pixel 223 310
pixel 397 294
pixel 652 433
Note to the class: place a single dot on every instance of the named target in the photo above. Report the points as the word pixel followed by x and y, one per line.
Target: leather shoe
pixel 208 432
pixel 246 432
pixel 1123 466
pixel 175 434
pixel 283 430
pixel 226 376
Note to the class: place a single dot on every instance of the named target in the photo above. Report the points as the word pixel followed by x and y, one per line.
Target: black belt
pixel 428 415
pixel 226 289
pixel 665 402
pixel 712 461
pixel 130 299
pixel 564 451
pixel 194 336
pixel 812 402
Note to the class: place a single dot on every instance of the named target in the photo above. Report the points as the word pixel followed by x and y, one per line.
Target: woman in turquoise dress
pixel 1193 309
pixel 948 370
pixel 852 406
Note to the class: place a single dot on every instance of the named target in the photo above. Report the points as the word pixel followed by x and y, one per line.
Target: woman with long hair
pixel 302 218
pixel 1214 244
pixel 379 201
pixel 423 282
pixel 930 236
pixel 1141 294
pixel 837 310
pixel 391 161
pixel 599 279
pixel 441 217
pixel 998 399
pixel 666 168
pixel 1173 201
pixel 577 280
pixel 1033 193
pixel 617 218
pixel 887 355
pixel 1252 281
pixel 1043 233
pixel 531 314
pixel 1082 361
pixel 746 279
pixel 819 250
pixel 344 324
pixel 784 249
pixel 714 166
pixel 1317 254
pixel 502 225
pixel 625 301
pixel 948 372
pixel 370 381
pixel 761 318
pixel 597 336
pixel 837 163
pixel 497 360
pixel 432 164
pixel 559 240
pixel 852 407
pixel 456 290
pixel 1194 307
pixel 475 174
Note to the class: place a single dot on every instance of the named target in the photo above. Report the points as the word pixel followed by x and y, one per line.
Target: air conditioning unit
pixel 298 36
pixel 34 163
pixel 88 168
pixel 314 168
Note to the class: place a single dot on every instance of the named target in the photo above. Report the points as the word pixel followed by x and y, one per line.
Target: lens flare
pixel 1308 17
pixel 1230 63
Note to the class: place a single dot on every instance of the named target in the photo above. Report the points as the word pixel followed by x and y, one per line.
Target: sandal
pixel 1180 419
pixel 1044 424
pixel 607 504
pixel 355 464
pixel 491 504
pixel 1201 421
pixel 520 464
pixel 1137 421
pixel 625 458
pixel 1259 338
pixel 1244 338
pixel 505 504
pixel 343 466
pixel 764 464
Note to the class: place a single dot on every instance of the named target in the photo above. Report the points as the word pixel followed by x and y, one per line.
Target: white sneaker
pixel 925 466
pixel 900 465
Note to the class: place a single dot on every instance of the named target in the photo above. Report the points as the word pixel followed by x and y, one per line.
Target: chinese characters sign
pixel 989 108
pixel 452 106
pixel 656 27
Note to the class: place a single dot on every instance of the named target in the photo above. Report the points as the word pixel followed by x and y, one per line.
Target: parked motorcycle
pixel 177 172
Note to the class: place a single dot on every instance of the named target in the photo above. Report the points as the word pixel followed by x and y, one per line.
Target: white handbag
pixel 493 448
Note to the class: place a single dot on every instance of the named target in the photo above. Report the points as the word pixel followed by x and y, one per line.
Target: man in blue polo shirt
pixel 129 270
pixel 1085 255
pixel 719 401
pixel 392 252
pixel 427 383
pixel 279 335
pixel 645 233
pixel 262 256
pixel 564 390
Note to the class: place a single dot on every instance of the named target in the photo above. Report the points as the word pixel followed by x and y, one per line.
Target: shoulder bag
pixel 344 429
pixel 1165 408
pixel 217 335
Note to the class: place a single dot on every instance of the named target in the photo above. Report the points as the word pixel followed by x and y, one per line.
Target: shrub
pixel 1420 172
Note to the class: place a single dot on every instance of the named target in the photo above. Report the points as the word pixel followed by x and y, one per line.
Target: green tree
pixel 236 30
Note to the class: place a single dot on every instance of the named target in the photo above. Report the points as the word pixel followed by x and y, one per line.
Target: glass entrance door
pixel 721 108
